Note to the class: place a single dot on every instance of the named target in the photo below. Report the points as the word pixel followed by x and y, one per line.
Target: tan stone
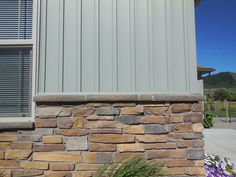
pixel 78 122
pixel 52 139
pixel 193 117
pixel 17 154
pixel 102 124
pixel 163 154
pixel 154 120
pixel 198 128
pixel 176 118
pixel 98 157
pixel 184 143
pixel 82 174
pixel 97 118
pixel 159 146
pixel 179 163
pixel 97 147
pixel 197 107
pixel 183 128
pixel 5 173
pixel 132 110
pixel 112 138
pixel 195 171
pixel 71 132
pixel 134 129
pixel 47 111
pixel 198 143
pixel 45 123
pixel 8 138
pixel 65 112
pixel 62 166
pixel 159 111
pixel 21 145
pixel 124 156
pixel 173 171
pixel 87 167
pixel 26 173
pixel 199 163
pixel 5 145
pixel 178 154
pixel 1 155
pixel 9 164
pixel 130 147
pixel 106 131
pixel 152 138
pixel 179 108
pixel 82 111
pixel 58 156
pixel 34 165
pixel 57 174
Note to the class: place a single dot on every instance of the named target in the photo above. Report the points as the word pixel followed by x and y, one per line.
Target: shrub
pixel 222 94
pixel 208 117
pixel 134 167
pixel 217 166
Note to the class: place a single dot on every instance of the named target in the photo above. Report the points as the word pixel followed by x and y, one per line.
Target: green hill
pixel 221 80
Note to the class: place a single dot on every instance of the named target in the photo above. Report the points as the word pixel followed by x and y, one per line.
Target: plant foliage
pixel 222 94
pixel 208 117
pixel 134 167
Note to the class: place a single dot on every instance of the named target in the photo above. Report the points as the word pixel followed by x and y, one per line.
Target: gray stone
pixel 129 119
pixel 189 136
pixel 16 125
pixel 107 112
pixel 25 173
pixel 47 111
pixel 38 131
pixel 157 129
pixel 103 157
pixel 77 143
pixel 195 154
pixel 64 122
pixel 29 138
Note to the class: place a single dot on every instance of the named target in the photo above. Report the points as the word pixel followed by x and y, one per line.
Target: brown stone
pixel 7 138
pixel 158 111
pixel 152 138
pixel 163 154
pixel 195 171
pixel 102 124
pixel 17 154
pixel 65 112
pixel 87 167
pixel 72 132
pixel 173 171
pixel 82 174
pixel 9 164
pixel 154 120
pixel 34 165
pixel 111 138
pixel 57 174
pixel 179 163
pixel 48 147
pixel 58 156
pixel 45 123
pixel 134 129
pixel 124 156
pixel 183 128
pixel 82 111
pixel 97 147
pixel 98 157
pixel 178 154
pixel 130 147
pixel 184 143
pixel 159 146
pixel 106 131
pixel 198 128
pixel 26 173
pixel 47 111
pixel 5 173
pixel 1 155
pixel 52 139
pixel 64 122
pixel 176 118
pixel 78 122
pixel 97 118
pixel 21 145
pixel 179 108
pixel 62 166
pixel 193 117
pixel 132 110
pixel 5 145
pixel 197 107
pixel 198 143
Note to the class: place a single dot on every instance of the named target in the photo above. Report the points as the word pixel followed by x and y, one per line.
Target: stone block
pixel 130 147
pixel 183 128
pixel 25 173
pixel 77 143
pixel 152 138
pixel 132 110
pixel 57 174
pixel 198 143
pixel 48 147
pixel 180 108
pixel 78 122
pixel 120 105
pixel 129 119
pixel 62 166
pixel 64 122
pixel 65 112
pixel 133 129
pixel 7 138
pixel 47 111
pixel 34 165
pixel 98 147
pixel 124 156
pixel 82 174
pixel 195 154
pixel 102 124
pixel 197 107
pixel 163 154
pixel 157 129
pixel 193 117
pixel 176 118
pixel 4 145
pixel 178 154
pixel 106 131
pixel 34 138
pixel 1 155
pixel 87 167
pixel 107 111
pixel 17 154
pixel 184 143
pixel 45 123
pixel 9 164
pixel 72 132
pixel 52 139
pixel 179 163
pixel 98 157
pixel 198 128
pixel 58 156
pixel 159 146
pixel 82 111
pixel 195 171
pixel 97 118
pixel 158 110
pixel 154 120
pixel 21 145
pixel 111 138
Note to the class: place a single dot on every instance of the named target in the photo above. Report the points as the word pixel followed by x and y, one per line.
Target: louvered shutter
pixel 15 81
pixel 16 19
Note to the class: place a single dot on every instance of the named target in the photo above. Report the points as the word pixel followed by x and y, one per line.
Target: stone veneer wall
pixel 74 140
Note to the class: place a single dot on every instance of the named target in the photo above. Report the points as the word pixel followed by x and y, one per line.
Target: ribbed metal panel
pixel 14 81
pixel 16 19
pixel 117 46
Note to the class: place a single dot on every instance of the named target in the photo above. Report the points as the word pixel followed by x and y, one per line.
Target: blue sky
pixel 216 34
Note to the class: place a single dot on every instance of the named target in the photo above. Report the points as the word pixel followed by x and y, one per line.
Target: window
pixel 16 45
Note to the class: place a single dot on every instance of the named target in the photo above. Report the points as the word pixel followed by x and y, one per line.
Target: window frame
pixel 32 44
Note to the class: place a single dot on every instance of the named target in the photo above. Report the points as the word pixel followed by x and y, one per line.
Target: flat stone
pixel 106 131
pixel 29 138
pixel 107 112
pixel 26 173
pixel 195 154
pixel 64 122
pixel 158 110
pixel 47 111
pixel 38 131
pixel 48 147
pixel 16 125
pixel 82 111
pixel 77 143
pixel 129 119
pixel 157 129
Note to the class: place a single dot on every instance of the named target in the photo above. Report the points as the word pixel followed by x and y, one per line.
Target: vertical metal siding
pixel 117 46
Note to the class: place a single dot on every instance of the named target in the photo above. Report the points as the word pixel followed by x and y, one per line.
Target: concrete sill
pixel 12 123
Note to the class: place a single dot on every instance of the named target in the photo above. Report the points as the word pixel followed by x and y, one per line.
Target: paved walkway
pixel 222 139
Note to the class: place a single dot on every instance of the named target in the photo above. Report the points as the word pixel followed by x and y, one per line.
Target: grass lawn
pixel 220 110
